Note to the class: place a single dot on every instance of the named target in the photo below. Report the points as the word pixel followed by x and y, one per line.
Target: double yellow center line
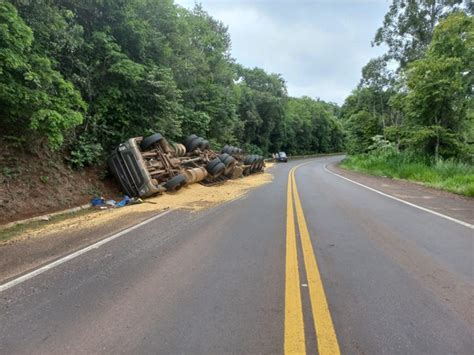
pixel 294 324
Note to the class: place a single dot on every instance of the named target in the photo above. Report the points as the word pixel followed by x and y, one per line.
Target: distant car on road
pixel 281 157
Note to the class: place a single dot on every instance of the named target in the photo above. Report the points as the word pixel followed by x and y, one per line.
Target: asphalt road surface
pixel 310 262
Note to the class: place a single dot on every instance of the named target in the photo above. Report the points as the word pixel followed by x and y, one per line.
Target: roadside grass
pixel 448 175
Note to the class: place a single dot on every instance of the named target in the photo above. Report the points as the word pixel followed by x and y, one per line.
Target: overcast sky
pixel 319 46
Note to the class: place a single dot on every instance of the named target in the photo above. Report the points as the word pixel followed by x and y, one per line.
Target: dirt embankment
pixel 36 181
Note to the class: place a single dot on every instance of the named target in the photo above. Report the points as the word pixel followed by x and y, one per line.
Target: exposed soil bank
pixel 37 181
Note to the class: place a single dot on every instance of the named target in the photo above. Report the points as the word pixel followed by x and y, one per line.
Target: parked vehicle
pixel 147 166
pixel 281 157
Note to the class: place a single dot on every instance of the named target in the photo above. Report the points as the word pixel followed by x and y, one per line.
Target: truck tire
pixel 224 150
pixel 150 141
pixel 204 144
pixel 175 183
pixel 253 164
pixel 189 139
pixel 247 159
pixel 217 170
pixel 212 164
pixel 195 143
pixel 223 156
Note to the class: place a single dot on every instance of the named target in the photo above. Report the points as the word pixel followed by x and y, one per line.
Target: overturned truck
pixel 147 166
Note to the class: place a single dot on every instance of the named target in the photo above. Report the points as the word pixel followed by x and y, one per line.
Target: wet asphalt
pixel 398 280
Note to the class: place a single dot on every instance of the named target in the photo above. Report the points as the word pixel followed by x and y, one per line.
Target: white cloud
pixel 318 46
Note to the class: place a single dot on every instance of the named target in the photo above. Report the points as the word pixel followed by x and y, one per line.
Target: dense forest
pixel 412 114
pixel 83 75
pixel 418 96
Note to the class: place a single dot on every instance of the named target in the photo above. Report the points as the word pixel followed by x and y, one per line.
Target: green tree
pixel 204 73
pixel 440 86
pixel 262 108
pixel 312 127
pixel 375 74
pixel 362 126
pixel 34 98
pixel 100 71
pixel 408 27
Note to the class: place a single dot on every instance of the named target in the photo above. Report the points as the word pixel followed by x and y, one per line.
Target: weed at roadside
pixel 448 175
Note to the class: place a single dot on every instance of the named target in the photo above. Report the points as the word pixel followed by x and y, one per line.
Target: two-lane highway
pixel 310 262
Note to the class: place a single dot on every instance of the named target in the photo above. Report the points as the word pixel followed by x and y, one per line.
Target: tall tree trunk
pixel 437 121
pixel 383 115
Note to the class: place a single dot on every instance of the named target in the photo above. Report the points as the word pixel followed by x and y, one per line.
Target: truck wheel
pixel 195 143
pixel 217 170
pixel 204 144
pixel 210 166
pixel 175 183
pixel 223 156
pixel 190 138
pixel 150 141
pixel 254 164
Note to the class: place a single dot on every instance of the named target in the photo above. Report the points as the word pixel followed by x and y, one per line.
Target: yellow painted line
pixel 325 333
pixel 294 341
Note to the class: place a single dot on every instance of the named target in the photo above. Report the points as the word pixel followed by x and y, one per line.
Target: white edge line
pixel 465 224
pixel 66 258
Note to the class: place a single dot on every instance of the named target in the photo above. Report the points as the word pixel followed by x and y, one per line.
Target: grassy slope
pixel 445 175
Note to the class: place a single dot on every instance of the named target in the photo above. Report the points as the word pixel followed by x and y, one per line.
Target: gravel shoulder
pixel 449 204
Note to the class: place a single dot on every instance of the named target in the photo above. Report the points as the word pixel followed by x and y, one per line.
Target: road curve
pixel 320 265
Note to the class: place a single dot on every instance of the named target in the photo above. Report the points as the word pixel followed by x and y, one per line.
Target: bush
pixel 380 144
pixel 252 149
pixel 85 152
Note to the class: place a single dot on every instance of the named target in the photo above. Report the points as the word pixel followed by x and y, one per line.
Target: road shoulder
pixel 44 243
pixel 449 204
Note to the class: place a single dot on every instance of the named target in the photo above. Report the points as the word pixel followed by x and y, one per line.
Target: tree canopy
pixel 84 75
pixel 87 74
pixel 419 94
